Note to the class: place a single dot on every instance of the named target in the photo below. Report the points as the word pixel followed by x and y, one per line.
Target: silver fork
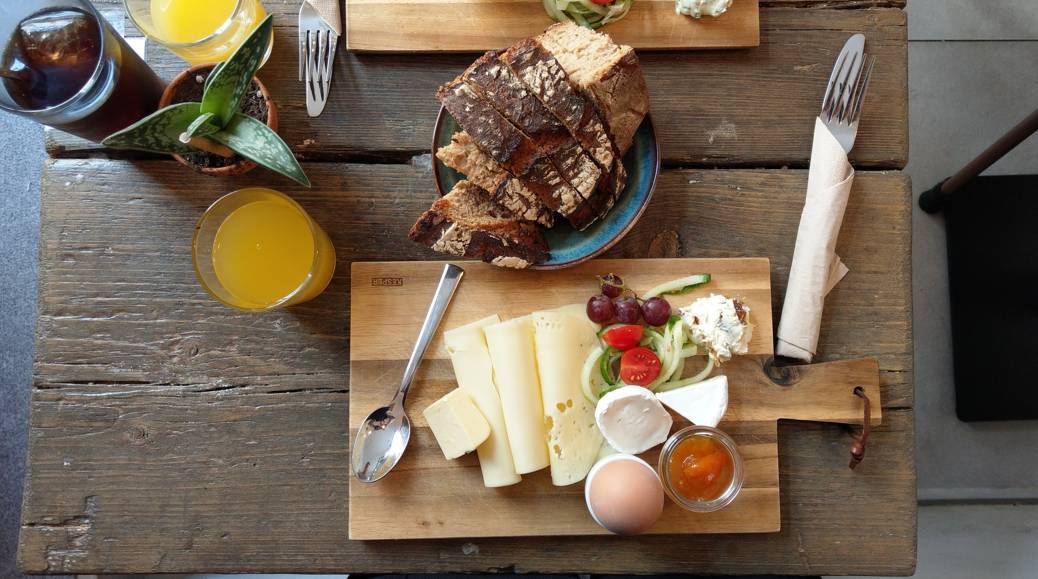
pixel 841 106
pixel 317 43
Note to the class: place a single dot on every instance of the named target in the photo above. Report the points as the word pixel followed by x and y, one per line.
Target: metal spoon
pixel 383 436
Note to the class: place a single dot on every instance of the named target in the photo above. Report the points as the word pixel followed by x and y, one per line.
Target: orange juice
pixel 190 20
pixel 198 31
pixel 257 249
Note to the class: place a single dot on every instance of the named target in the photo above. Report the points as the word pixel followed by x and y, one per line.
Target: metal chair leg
pixel 933 199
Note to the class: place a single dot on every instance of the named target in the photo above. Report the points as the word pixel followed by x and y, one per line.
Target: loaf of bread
pixel 546 124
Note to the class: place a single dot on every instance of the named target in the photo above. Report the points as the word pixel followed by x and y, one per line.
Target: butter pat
pixel 457 424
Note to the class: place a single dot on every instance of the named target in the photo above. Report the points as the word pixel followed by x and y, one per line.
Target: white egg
pixel 624 494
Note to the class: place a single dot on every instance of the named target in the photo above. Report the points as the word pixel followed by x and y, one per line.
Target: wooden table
pixel 171 434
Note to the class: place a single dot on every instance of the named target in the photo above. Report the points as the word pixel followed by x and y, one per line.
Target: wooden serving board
pixel 427 496
pixel 478 25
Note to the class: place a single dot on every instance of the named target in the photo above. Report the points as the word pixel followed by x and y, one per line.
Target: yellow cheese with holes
pixel 456 423
pixel 563 340
pixel 515 373
pixel 467 348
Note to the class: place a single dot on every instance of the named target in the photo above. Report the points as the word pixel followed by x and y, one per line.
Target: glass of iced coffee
pixel 64 66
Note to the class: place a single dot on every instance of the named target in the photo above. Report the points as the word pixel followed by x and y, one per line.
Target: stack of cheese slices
pixel 546 124
pixel 519 404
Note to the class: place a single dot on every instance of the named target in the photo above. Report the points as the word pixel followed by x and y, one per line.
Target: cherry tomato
pixel 623 338
pixel 639 367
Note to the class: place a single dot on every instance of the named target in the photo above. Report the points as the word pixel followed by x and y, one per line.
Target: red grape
pixel 627 310
pixel 612 285
pixel 600 309
pixel 656 311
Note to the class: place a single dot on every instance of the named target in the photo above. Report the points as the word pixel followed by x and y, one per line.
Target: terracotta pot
pixel 243 166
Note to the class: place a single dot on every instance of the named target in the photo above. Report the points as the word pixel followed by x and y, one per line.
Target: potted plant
pixel 230 131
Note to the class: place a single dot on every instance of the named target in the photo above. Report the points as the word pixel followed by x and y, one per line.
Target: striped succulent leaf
pixel 229 81
pixel 202 126
pixel 258 142
pixel 158 132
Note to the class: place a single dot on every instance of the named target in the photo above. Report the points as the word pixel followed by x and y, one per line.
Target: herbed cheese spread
pixel 697 8
pixel 721 324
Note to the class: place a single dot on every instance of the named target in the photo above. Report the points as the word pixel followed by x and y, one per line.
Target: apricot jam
pixel 700 468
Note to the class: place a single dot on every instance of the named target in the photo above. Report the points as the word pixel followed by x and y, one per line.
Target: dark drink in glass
pixel 64 66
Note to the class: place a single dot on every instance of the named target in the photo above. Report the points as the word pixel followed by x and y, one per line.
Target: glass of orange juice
pixel 257 249
pixel 199 31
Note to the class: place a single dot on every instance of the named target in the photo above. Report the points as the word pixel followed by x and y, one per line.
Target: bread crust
pixel 614 81
pixel 468 223
pixel 541 73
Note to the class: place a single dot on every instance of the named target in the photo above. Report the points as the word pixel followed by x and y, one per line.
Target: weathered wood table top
pixel 172 434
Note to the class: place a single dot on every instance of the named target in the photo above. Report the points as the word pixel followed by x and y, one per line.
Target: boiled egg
pixel 624 494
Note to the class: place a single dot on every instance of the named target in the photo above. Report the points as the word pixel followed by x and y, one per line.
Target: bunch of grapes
pixel 618 303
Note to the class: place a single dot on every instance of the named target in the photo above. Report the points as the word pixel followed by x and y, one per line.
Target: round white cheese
pixel 632 420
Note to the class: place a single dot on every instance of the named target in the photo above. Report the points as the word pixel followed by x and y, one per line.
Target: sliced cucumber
pixel 670 357
pixel 699 377
pixel 605 365
pixel 590 381
pixel 678 286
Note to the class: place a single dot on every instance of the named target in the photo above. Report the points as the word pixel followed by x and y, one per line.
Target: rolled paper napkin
pixel 329 11
pixel 816 268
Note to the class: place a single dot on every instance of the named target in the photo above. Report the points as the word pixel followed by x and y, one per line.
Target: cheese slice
pixel 467 348
pixel 703 404
pixel 515 374
pixel 456 423
pixel 563 341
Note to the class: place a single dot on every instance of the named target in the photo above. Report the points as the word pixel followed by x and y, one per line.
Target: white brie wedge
pixel 703 404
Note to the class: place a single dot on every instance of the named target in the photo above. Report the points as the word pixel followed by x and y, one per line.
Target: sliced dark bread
pixel 543 77
pixel 502 141
pixel 609 73
pixel 464 156
pixel 541 73
pixel 497 84
pixel 468 223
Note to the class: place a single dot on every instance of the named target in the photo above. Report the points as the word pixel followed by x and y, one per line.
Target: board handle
pixel 858 448
pixel 764 390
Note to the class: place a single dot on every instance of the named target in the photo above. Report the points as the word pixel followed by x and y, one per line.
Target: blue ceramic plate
pixel 569 247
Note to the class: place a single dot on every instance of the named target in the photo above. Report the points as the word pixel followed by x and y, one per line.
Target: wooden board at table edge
pixel 389 26
pixel 427 521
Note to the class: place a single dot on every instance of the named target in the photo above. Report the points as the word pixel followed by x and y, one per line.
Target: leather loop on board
pixel 858 448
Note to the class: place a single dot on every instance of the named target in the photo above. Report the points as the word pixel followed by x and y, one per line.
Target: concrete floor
pixel 972 75
pixel 21 157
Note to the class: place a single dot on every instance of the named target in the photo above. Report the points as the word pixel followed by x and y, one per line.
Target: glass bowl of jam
pixel 701 469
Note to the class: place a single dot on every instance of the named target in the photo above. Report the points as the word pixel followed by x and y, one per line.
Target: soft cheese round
pixel 632 420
